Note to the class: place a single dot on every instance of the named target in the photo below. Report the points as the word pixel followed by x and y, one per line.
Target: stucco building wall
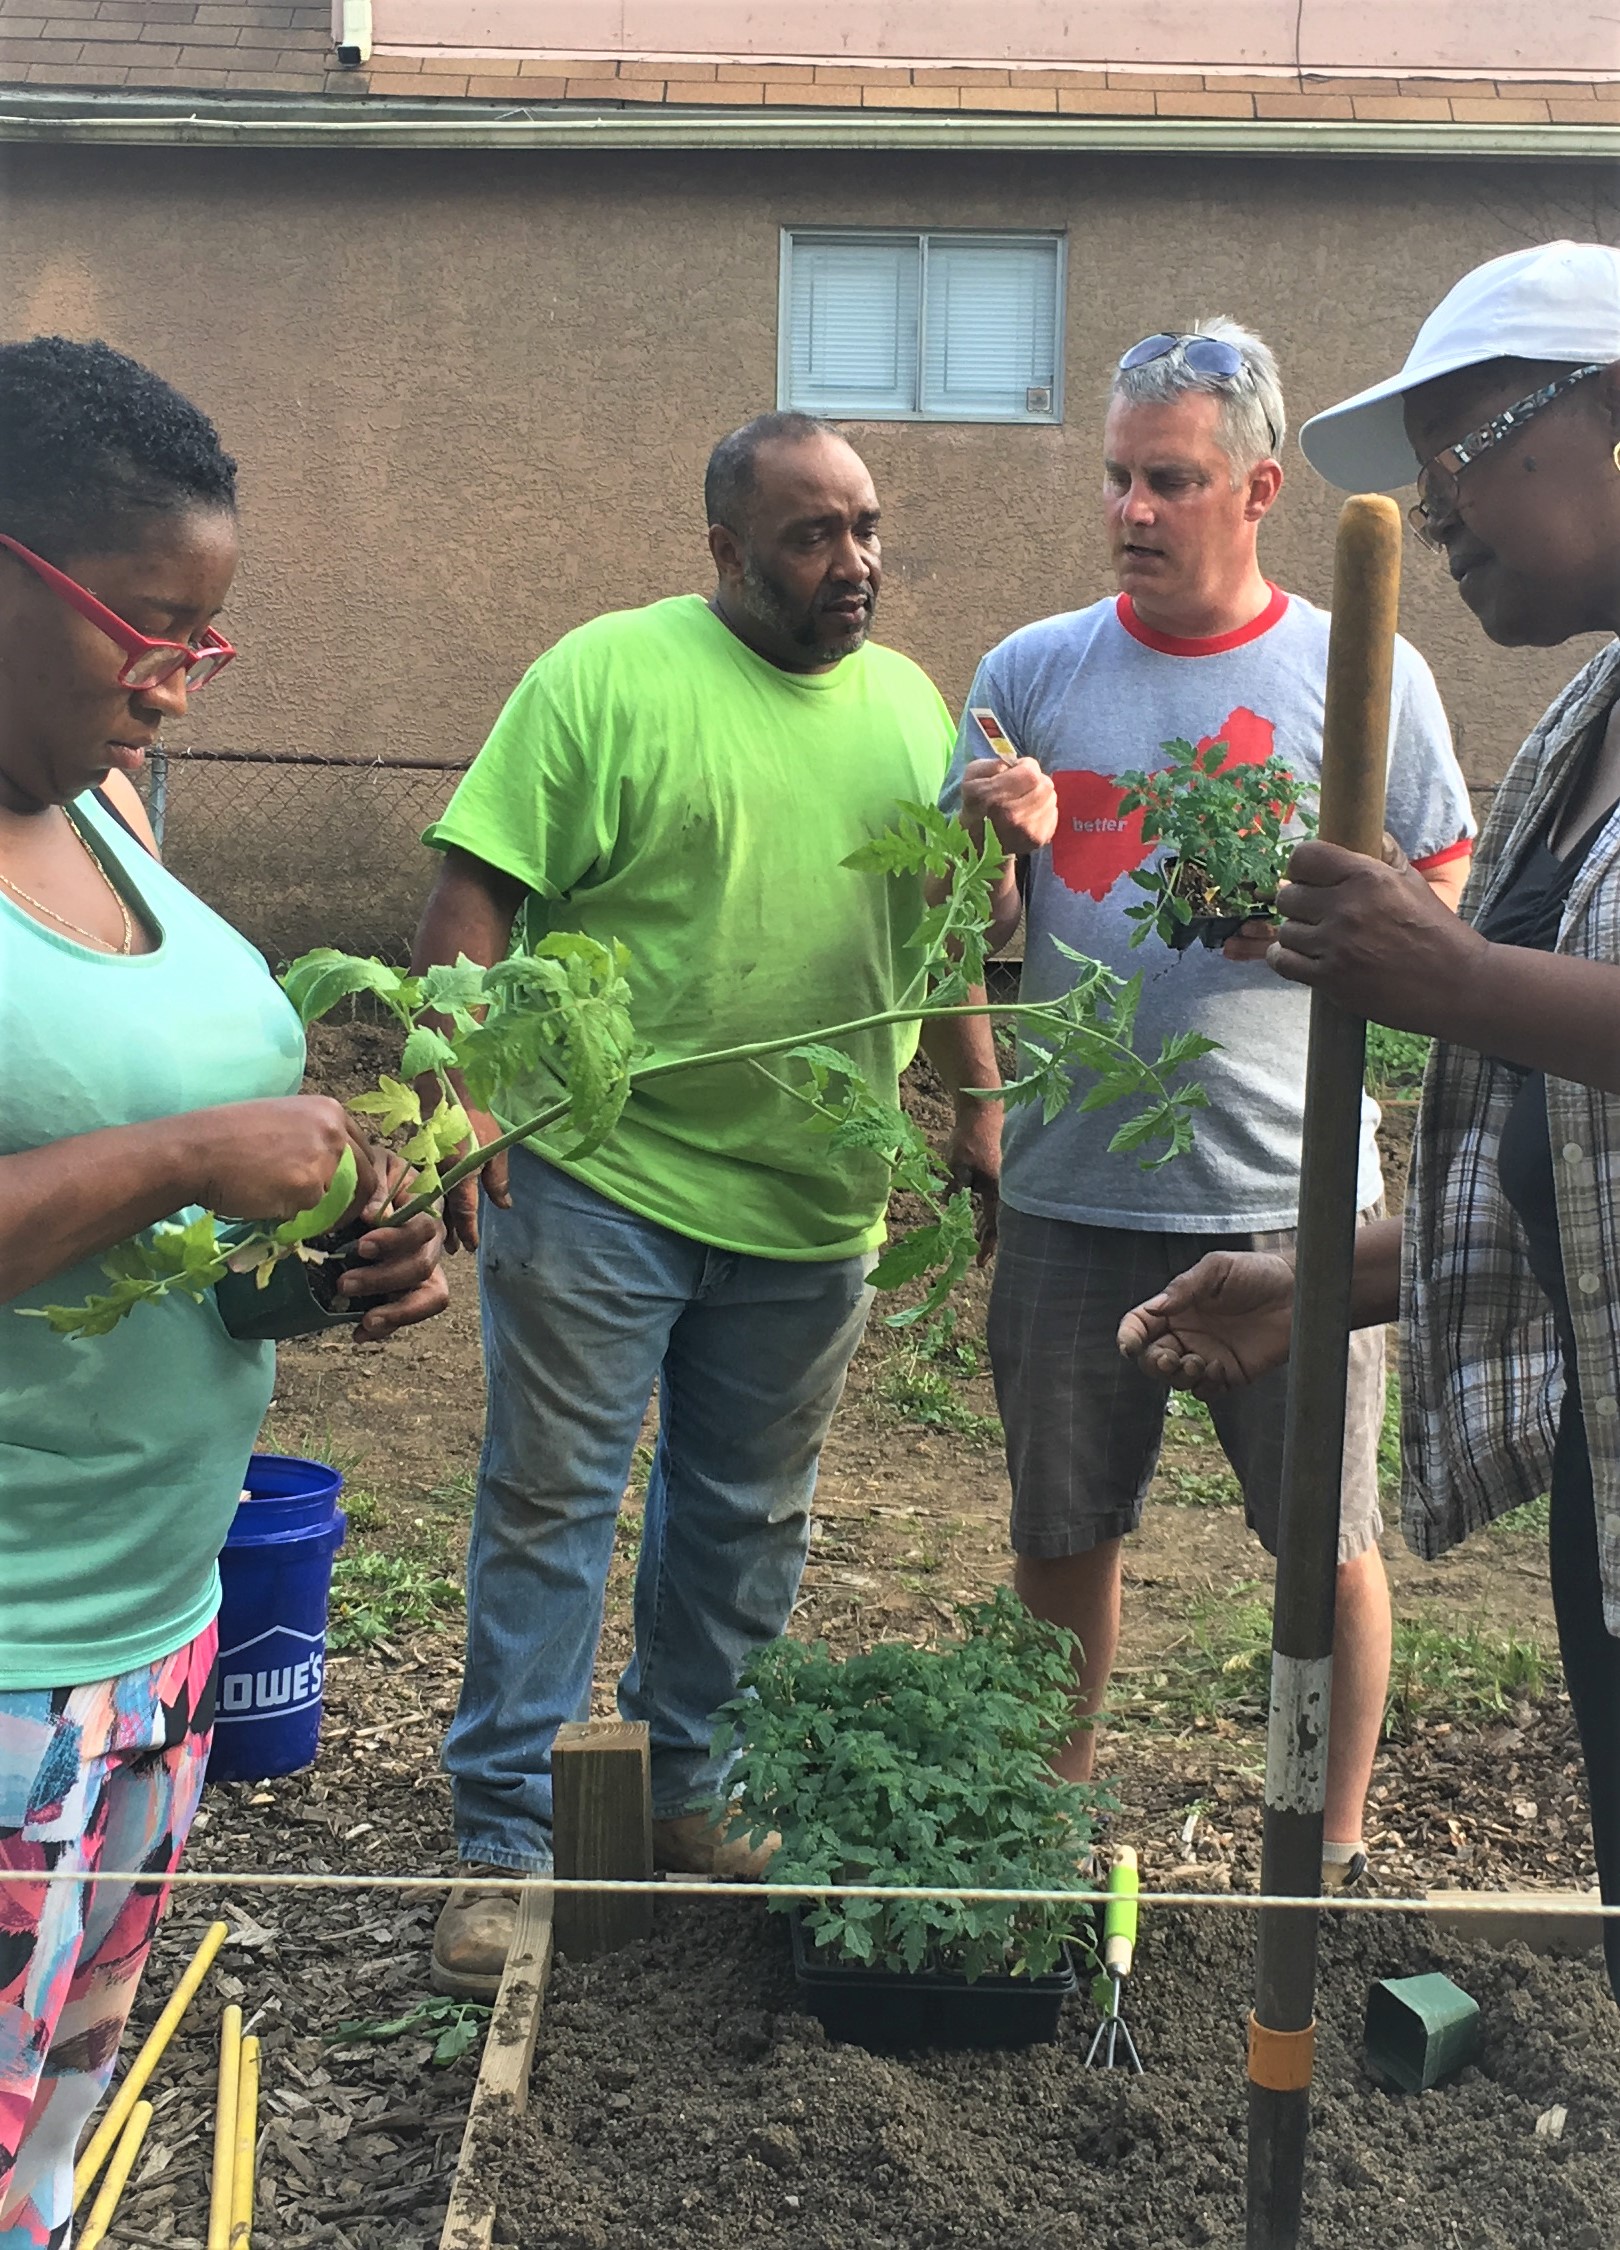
pixel 472 394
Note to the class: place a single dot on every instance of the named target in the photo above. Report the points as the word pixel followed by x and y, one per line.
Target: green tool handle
pixel 1119 1919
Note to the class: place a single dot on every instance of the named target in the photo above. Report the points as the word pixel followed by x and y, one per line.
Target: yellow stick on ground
pixel 247 2134
pixel 118 2171
pixel 141 2069
pixel 225 2108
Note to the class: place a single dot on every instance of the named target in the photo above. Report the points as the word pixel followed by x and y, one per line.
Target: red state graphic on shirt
pixel 1095 845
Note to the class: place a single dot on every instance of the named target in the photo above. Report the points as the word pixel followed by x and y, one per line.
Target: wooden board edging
pixel 503 2073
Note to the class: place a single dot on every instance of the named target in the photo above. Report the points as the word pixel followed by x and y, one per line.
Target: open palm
pixel 1218 1326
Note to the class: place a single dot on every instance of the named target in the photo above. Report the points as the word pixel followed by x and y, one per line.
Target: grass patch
pixel 1532 1521
pixel 1221 1668
pixel 1183 1407
pixel 377 1597
pixel 911 1387
pixel 362 1508
pixel 943 1345
pixel 1395 1061
pixel 1389 1446
pixel 1194 1473
pixel 1197 1488
pixel 1467 1673
pixel 632 1519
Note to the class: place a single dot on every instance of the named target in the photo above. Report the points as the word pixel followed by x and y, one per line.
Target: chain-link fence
pixel 303 850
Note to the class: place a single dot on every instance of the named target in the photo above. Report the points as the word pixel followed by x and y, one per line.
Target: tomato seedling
pixel 920 1767
pixel 1229 832
pixel 561 1012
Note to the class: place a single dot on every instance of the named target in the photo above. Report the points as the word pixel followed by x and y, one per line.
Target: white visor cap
pixel 1559 301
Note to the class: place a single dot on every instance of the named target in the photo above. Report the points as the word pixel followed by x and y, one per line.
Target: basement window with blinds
pixel 886 326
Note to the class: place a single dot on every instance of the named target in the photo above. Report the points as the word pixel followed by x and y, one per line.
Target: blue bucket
pixel 276 1572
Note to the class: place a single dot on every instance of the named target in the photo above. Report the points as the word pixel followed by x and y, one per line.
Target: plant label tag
pixel 1001 742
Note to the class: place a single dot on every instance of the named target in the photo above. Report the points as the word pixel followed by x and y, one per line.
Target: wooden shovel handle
pixel 1361 663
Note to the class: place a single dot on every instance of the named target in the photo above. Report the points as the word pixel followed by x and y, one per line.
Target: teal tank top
pixel 121 1456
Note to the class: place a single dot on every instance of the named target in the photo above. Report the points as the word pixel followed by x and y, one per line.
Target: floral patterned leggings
pixel 105 1780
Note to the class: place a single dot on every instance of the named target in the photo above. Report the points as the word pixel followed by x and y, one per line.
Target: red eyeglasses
pixel 146 663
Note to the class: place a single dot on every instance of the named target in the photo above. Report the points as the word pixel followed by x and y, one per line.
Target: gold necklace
pixel 126 944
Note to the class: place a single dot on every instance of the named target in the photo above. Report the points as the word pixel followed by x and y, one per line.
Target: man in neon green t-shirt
pixel 688 778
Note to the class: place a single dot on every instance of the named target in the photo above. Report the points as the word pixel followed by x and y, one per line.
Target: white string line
pixel 1531 1904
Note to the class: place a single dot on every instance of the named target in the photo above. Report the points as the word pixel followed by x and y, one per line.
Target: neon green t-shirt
pixel 653 780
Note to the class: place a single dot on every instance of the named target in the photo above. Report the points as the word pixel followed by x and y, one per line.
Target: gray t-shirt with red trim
pixel 1094 694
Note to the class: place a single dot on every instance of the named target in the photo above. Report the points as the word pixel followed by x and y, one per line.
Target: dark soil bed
pixel 681 2099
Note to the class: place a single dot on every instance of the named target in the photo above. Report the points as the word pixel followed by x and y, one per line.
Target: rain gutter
pixel 355 121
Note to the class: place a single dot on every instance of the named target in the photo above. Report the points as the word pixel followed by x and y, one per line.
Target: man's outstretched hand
pixel 1218 1326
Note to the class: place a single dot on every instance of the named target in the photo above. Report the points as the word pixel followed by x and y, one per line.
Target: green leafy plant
pixel 1396 1060
pixel 943 1345
pixel 454 2026
pixel 1229 835
pixel 376 1595
pixel 921 1766
pixel 917 1391
pixel 560 1015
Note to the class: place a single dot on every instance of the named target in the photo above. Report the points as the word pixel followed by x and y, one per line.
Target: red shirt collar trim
pixel 1217 644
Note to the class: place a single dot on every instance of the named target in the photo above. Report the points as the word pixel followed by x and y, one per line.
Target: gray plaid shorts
pixel 1084 1425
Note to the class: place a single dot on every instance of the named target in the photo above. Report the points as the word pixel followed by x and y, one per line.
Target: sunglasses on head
pixel 147 663
pixel 1205 355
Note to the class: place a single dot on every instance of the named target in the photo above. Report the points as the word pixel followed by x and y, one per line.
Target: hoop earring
pixel 1617 456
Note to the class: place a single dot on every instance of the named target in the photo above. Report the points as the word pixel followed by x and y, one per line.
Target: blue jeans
pixel 585 1307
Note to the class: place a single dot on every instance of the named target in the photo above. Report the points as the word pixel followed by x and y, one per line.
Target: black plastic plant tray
pixel 892 2010
pixel 1211 930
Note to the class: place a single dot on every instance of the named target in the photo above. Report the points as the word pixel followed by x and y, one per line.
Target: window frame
pixel 922 236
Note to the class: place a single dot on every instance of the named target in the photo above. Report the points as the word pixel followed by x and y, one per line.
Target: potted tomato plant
pixel 922 1767
pixel 1229 830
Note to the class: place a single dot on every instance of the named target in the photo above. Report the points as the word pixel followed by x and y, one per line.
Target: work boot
pixel 709 1843
pixel 472 1938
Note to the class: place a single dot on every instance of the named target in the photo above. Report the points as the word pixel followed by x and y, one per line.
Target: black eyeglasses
pixel 1438 479
pixel 1205 355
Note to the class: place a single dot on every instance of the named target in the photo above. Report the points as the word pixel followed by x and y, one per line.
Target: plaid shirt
pixel 1480 1367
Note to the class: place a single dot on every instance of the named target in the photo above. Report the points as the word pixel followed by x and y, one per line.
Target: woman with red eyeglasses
pixel 150 1064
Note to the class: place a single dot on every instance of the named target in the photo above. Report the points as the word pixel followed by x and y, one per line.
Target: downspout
pixel 351 33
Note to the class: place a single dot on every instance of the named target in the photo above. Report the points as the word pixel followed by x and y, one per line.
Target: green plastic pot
pixel 1421 2030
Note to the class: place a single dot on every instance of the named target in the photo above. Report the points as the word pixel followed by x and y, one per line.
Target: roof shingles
pixel 285 47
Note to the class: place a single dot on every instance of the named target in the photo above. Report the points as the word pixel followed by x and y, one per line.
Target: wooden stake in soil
pixel 601 1819
pixel 503 2074
pixel 1355 754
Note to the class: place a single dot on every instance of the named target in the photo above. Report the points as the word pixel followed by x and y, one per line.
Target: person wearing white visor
pixel 1506 1278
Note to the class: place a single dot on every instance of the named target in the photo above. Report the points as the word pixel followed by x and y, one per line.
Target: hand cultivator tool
pixel 1119 1944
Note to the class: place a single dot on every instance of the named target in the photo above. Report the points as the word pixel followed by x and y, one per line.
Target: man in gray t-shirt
pixel 1199 646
